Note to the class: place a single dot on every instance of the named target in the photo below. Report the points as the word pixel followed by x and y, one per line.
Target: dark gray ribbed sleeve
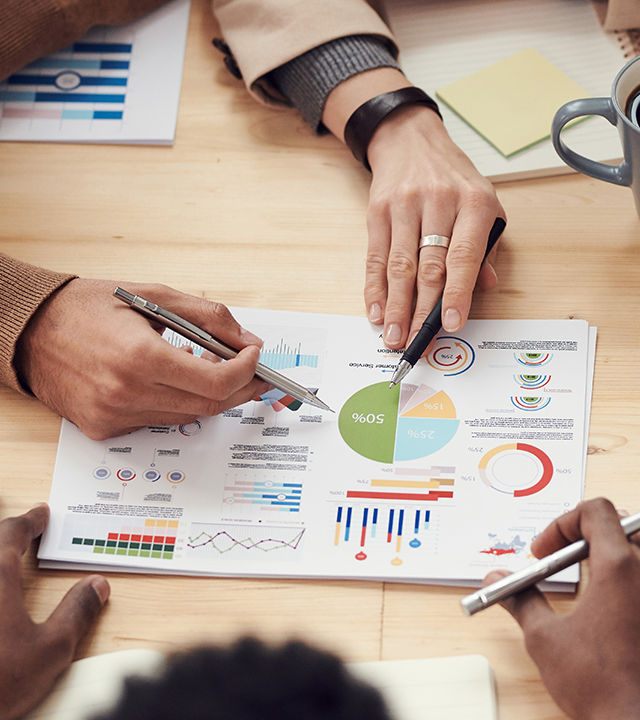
pixel 308 79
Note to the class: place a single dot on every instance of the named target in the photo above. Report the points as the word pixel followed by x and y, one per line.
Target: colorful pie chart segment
pixel 516 469
pixel 373 424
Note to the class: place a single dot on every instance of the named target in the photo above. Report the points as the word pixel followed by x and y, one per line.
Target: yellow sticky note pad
pixel 512 103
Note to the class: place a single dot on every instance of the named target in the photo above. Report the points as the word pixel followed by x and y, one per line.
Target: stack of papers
pixel 440 479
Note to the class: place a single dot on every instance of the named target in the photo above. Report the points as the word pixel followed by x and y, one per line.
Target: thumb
pixel 77 611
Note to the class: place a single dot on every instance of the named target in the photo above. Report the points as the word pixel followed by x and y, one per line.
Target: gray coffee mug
pixel 613 109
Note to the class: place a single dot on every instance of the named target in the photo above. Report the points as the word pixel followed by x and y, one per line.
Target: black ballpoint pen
pixel 433 324
pixel 201 337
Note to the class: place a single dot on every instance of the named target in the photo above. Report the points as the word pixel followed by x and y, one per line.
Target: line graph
pixel 211 541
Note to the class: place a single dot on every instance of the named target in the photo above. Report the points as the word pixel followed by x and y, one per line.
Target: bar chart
pixel 410 485
pixel 153 538
pixel 370 529
pixel 273 494
pixel 116 84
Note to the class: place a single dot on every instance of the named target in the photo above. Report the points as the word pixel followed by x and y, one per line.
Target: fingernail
pixel 38 505
pixel 623 513
pixel 375 313
pixel 101 586
pixel 250 338
pixel 393 334
pixel 451 320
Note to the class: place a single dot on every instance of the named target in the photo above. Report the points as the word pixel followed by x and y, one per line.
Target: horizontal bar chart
pixel 269 495
pixel 433 495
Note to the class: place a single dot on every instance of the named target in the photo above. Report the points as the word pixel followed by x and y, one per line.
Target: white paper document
pixel 114 85
pixel 440 479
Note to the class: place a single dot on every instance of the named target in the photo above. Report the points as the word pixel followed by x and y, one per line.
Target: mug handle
pixel 616 174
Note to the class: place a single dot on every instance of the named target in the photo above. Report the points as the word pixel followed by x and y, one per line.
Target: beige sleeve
pixel 30 29
pixel 23 288
pixel 618 14
pixel 264 35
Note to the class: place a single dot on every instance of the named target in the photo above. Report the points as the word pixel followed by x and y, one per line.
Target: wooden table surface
pixel 250 208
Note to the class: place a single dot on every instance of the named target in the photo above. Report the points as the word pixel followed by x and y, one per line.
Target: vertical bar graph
pixel 285 357
pixel 363 534
pixel 338 526
pixel 390 528
pixel 396 522
pixel 399 534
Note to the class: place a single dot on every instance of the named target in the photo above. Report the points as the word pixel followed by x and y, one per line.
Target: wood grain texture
pixel 251 209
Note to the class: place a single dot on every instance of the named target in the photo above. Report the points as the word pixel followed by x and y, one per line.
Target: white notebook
pixel 451 688
pixel 442 41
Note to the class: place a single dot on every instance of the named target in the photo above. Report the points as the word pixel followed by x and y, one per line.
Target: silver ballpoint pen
pixel 537 571
pixel 201 337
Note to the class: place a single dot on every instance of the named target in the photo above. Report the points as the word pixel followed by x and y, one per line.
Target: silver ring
pixel 434 240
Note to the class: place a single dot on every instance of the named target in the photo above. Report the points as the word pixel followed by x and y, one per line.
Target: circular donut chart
pixel 175 476
pixel 191 429
pixel 386 425
pixel 516 469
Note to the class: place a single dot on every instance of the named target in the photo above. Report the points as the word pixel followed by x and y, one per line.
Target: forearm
pixel 314 80
pixel 30 29
pixel 23 289
pixel 347 97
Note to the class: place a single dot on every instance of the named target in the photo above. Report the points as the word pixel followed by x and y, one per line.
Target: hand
pixel 423 184
pixel 33 656
pixel 105 367
pixel 588 659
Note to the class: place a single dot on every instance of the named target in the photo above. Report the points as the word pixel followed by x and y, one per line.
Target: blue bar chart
pixel 273 495
pixel 116 84
pixel 79 76
pixel 367 529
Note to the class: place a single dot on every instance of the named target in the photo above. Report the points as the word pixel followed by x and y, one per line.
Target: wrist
pixel 367 119
pixel 399 128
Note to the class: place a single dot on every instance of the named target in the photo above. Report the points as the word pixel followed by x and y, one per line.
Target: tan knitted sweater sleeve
pixel 23 288
pixel 30 29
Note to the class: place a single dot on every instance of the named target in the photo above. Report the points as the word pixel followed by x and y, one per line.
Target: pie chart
pixel 405 422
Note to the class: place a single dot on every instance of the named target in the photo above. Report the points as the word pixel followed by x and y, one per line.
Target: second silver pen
pixel 204 339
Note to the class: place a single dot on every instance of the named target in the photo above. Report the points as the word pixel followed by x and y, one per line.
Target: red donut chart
pixel 491 478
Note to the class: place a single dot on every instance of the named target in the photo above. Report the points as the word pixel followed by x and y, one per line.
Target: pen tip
pixel 391 384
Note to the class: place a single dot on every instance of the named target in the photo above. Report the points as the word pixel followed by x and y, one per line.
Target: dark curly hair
pixel 251 681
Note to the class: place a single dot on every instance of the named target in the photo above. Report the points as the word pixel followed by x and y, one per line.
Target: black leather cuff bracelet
pixel 365 120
